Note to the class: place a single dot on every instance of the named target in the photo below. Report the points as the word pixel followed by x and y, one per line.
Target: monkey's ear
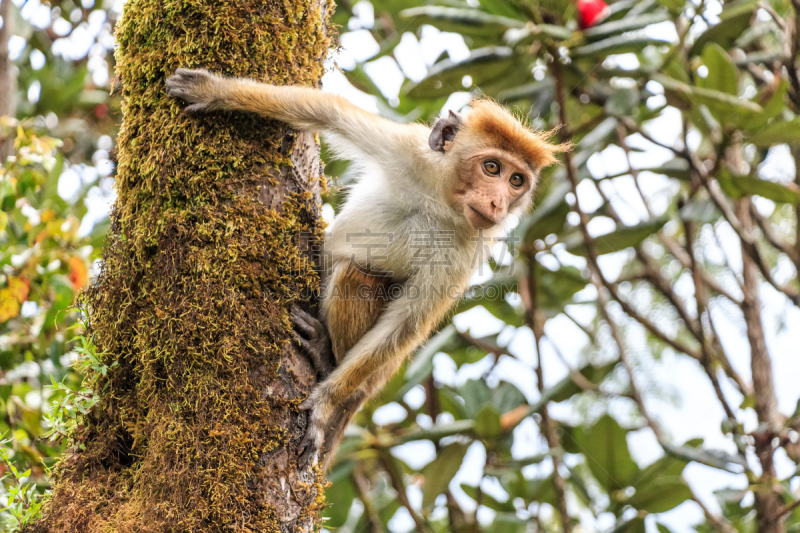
pixel 444 131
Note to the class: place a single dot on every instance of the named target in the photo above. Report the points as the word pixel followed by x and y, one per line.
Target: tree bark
pixel 197 425
pixel 8 82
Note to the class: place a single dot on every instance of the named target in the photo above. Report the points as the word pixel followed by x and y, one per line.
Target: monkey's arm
pixel 302 107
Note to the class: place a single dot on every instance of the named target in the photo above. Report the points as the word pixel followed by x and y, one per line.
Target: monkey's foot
pixel 311 444
pixel 314 341
pixel 193 86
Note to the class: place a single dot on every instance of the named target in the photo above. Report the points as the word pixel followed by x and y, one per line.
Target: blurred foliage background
pixel 664 246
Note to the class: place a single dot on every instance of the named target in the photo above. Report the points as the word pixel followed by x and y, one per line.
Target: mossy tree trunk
pixel 197 425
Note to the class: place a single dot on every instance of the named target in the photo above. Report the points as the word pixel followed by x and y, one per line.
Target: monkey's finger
pixel 310 446
pixel 319 328
pixel 196 108
pixel 191 72
pixel 300 320
pixel 307 318
pixel 308 403
pixel 305 344
pixel 307 457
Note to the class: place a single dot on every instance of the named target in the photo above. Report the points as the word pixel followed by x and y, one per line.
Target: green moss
pixel 197 422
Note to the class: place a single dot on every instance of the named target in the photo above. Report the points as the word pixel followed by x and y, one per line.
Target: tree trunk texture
pixel 8 82
pixel 197 426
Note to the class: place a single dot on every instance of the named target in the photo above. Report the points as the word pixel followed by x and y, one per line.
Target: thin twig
pixel 537 326
pixel 680 254
pixel 773 238
pixel 701 301
pixel 789 508
pixel 400 489
pixel 361 484
pixel 720 523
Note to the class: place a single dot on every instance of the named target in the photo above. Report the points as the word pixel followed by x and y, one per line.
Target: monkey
pixel 421 192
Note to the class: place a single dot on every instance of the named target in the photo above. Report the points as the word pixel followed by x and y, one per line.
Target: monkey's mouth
pixel 483 218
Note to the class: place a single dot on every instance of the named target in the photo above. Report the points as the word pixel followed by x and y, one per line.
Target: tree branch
pixel 768 502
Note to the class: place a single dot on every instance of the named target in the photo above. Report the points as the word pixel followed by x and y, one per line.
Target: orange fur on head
pixel 491 121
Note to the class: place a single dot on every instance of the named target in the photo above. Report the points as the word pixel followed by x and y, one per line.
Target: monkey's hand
pixel 313 338
pixel 203 90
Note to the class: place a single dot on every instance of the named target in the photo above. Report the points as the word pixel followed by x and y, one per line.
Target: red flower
pixel 590 12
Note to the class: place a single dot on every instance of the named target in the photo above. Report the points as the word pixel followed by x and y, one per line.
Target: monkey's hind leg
pixel 314 341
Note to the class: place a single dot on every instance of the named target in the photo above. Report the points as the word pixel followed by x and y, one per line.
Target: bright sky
pixel 684 401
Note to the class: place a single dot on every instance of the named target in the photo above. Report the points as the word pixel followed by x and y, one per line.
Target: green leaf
pixel 540 490
pixel 722 73
pixel 491 295
pixel 700 211
pixel 619 44
pixel 469 22
pixel 465 353
pixel 777 132
pixel 487 500
pixel 619 239
pixel 660 487
pixel 63 300
pixel 557 287
pixel 476 394
pixel 662 495
pixel 741 186
pixel 445 77
pixel 508 523
pixel 734 20
pixel 547 217
pixel 674 6
pixel 537 32
pixel 623 25
pixel 622 102
pixel 714 458
pixel 438 431
pixel 567 388
pixel 532 91
pixel 773 101
pixel 717 100
pixel 635 525
pixel 677 168
pixel 506 396
pixel 487 422
pixel 501 7
pixel 422 364
pixel 605 448
pixel 594 141
pixel 440 471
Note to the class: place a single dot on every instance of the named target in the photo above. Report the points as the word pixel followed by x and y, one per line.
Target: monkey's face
pixel 490 184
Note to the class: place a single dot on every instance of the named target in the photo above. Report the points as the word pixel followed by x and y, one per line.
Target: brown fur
pixel 490 121
pixel 351 312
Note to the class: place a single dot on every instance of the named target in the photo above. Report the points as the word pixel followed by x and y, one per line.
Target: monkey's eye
pixel 492 167
pixel 516 180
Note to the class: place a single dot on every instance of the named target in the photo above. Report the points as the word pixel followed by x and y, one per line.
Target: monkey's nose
pixel 497 206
